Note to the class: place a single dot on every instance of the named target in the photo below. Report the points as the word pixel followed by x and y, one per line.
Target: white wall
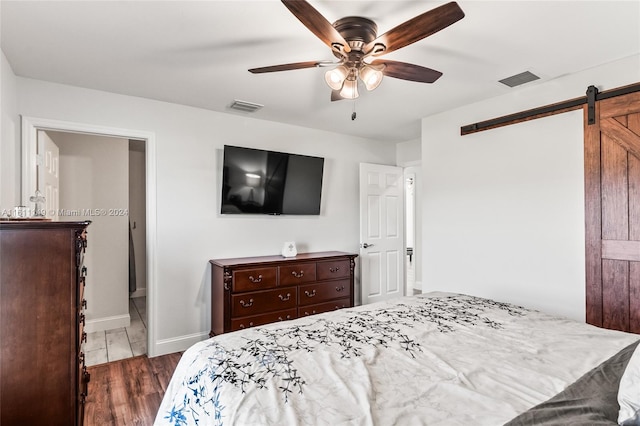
pixel 503 210
pixel 190 231
pixel 94 178
pixel 10 133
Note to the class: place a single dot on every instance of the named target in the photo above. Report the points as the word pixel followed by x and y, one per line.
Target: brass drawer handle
pixel 255 280
pixel 250 325
pixel 297 274
pixel 340 288
pixel 309 313
pixel 310 293
pixel 282 319
pixel 285 298
pixel 336 269
pixel 246 304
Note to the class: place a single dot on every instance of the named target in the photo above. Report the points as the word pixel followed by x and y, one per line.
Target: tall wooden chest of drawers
pixel 252 291
pixel 43 379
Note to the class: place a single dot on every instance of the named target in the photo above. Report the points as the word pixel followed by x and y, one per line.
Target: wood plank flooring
pixel 128 392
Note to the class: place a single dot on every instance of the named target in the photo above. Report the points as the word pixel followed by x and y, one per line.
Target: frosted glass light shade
pixel 371 77
pixel 350 89
pixel 335 77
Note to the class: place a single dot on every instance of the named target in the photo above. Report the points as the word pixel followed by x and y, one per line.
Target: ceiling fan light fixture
pixel 350 89
pixel 335 78
pixel 370 76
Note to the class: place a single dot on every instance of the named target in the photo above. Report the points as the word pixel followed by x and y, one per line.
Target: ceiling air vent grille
pixel 245 106
pixel 518 79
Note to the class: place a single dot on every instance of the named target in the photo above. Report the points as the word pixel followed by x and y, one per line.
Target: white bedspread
pixel 436 359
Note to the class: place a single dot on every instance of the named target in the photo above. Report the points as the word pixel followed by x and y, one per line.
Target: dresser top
pixel 243 261
pixel 41 224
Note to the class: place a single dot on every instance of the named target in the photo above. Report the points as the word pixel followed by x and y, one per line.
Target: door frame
pixel 30 126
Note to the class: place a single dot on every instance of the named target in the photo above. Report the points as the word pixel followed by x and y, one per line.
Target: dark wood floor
pixel 128 392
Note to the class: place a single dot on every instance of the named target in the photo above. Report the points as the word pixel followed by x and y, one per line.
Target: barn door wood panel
pixel 612 197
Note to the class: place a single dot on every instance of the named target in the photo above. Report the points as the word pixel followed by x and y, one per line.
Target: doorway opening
pixel 143 146
pixel 413 283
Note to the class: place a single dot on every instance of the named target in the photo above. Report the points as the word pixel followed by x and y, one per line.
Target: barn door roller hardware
pixel 593 95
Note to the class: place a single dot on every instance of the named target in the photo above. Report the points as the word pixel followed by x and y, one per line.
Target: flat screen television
pixel 269 182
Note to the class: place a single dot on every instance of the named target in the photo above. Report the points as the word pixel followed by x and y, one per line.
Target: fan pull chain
pixel 353 114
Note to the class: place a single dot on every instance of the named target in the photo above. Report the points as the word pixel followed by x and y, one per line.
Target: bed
pixel 432 359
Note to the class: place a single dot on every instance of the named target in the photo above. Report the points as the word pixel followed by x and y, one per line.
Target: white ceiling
pixel 197 53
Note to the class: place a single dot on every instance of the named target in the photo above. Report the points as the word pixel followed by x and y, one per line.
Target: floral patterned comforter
pixel 436 359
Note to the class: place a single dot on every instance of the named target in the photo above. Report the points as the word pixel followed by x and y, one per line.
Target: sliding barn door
pixel 612 197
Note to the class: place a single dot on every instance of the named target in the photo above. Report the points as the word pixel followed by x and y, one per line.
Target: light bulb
pixel 335 77
pixel 370 76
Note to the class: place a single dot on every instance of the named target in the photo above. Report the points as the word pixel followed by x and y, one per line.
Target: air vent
pixel 518 79
pixel 245 106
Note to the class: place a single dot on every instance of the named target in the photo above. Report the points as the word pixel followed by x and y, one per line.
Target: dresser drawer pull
pixel 297 274
pixel 282 319
pixel 250 325
pixel 310 293
pixel 255 280
pixel 285 298
pixel 310 313
pixel 81 319
pixel 336 269
pixel 84 303
pixel 84 271
pixel 84 337
pixel 246 304
pixel 340 288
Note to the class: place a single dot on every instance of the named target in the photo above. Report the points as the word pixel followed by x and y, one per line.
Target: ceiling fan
pixel 354 40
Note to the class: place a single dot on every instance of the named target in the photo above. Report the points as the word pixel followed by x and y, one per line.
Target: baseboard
pixel 107 323
pixel 178 344
pixel 140 292
pixel 417 285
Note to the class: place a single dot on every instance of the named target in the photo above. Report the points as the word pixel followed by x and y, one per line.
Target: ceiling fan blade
pixel 335 96
pixel 405 71
pixel 417 28
pixel 287 67
pixel 316 23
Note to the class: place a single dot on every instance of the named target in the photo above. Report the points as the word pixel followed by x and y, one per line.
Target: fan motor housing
pixel 356 30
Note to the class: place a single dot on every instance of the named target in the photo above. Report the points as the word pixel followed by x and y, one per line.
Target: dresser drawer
pixel 259 302
pixel 252 321
pixel 333 269
pixel 297 274
pixel 324 307
pixel 321 292
pixel 255 279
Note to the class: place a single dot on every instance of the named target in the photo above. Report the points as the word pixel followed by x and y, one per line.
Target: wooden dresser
pixel 43 379
pixel 252 291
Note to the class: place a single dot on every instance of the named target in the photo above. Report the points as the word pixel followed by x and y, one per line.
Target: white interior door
pixel 47 165
pixel 381 232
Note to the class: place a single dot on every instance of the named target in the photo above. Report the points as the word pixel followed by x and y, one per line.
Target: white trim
pixel 107 323
pixel 30 125
pixel 179 344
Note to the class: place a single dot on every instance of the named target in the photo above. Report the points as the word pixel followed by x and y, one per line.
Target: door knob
pixel 365 245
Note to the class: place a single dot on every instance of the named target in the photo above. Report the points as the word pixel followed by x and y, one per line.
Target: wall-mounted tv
pixel 268 182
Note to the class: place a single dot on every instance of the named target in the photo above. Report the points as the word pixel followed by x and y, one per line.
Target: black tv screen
pixel 269 182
